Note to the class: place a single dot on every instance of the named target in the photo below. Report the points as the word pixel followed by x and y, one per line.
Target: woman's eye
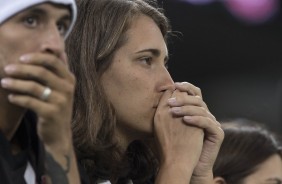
pixel 31 21
pixel 147 60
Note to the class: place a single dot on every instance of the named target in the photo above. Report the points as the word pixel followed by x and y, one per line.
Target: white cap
pixel 9 8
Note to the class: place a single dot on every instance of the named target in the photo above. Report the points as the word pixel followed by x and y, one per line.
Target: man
pixel 36 92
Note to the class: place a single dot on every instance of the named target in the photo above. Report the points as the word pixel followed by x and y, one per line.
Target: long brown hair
pixel 99 32
pixel 245 146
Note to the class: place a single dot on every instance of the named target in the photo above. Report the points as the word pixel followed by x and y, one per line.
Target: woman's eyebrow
pixel 155 52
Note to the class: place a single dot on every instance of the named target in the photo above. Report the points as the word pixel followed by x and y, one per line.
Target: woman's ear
pixel 219 180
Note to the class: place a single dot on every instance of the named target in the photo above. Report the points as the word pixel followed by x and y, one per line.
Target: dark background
pixel 236 64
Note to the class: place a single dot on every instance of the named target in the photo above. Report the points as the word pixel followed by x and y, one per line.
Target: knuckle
pixel 33 87
pixel 202 104
pixel 198 90
pixel 204 111
pixel 68 88
pixel 42 72
pixel 27 102
pixel 199 102
pixel 221 134
pixel 214 118
pixel 61 102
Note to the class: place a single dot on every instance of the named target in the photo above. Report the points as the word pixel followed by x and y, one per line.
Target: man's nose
pixel 53 42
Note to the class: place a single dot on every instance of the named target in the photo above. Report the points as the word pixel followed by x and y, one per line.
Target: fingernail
pixel 187 118
pixel 10 68
pixel 25 58
pixel 176 110
pixel 11 97
pixel 172 101
pixel 5 82
pixel 181 83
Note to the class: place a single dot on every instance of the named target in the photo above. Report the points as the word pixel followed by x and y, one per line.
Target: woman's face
pixel 269 172
pixel 136 79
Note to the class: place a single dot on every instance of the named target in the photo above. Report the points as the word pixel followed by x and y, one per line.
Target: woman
pixel 249 154
pixel 131 121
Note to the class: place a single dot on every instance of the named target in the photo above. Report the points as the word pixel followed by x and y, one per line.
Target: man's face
pixel 40 28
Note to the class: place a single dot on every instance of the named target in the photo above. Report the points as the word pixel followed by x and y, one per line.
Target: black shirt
pixel 13 166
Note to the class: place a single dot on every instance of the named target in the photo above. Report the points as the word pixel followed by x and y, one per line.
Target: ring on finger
pixel 45 94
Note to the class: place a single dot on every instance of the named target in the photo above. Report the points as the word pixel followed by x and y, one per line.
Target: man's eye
pixel 62 28
pixel 31 21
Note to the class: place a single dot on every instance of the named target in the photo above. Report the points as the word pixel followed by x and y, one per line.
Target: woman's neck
pixel 126 135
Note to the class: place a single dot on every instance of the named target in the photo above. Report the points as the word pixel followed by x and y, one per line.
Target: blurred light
pixel 253 11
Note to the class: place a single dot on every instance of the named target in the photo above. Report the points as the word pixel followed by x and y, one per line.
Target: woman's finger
pixel 188 88
pixel 181 100
pixel 202 122
pixel 191 111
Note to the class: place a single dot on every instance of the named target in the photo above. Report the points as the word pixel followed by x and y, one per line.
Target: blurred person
pixel 131 121
pixel 249 154
pixel 36 93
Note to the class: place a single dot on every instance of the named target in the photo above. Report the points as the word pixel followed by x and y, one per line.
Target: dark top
pixel 12 167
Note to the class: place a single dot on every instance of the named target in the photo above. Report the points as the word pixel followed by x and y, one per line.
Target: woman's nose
pixel 166 81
